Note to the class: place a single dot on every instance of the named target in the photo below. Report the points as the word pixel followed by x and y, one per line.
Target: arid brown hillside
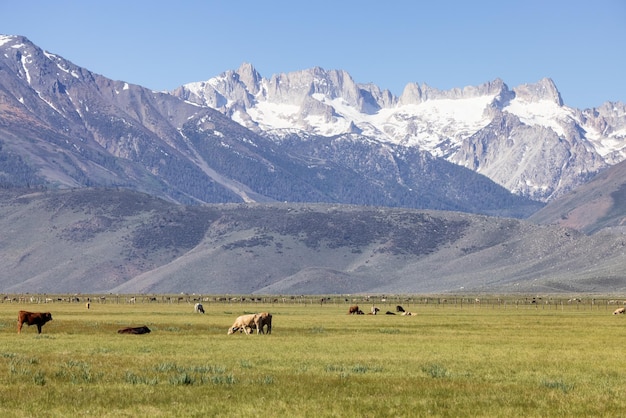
pixel 597 205
pixel 119 241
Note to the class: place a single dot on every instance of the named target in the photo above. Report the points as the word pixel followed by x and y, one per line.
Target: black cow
pixel 134 330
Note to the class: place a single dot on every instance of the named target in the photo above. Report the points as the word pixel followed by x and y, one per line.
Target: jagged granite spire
pixel 544 89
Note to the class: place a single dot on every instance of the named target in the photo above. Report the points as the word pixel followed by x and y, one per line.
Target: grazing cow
pixel 243 322
pixel 32 318
pixel 263 320
pixel 354 309
pixel 134 330
pixel 619 311
pixel 375 310
pixel 198 308
pixel 399 308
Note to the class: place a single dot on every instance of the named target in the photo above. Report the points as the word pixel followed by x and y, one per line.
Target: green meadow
pixel 458 358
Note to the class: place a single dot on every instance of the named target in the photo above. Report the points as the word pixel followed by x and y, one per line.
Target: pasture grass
pixel 319 362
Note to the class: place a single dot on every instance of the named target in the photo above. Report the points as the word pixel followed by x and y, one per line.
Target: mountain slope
pixel 597 205
pixel 119 241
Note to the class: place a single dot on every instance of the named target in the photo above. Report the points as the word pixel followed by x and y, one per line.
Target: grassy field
pixel 449 360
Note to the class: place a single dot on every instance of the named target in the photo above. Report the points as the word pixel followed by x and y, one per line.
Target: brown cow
pixel 32 318
pixel 134 330
pixel 353 310
pixel 261 320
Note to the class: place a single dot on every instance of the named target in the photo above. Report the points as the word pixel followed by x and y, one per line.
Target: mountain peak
pixel 249 76
pixel 414 94
pixel 5 39
pixel 543 90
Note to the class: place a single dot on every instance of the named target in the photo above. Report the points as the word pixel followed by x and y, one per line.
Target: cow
pixel 243 322
pixel 134 330
pixel 619 311
pixel 389 313
pixel 32 318
pixel 375 310
pixel 198 308
pixel 353 310
pixel 262 320
pixel 399 308
pixel 408 314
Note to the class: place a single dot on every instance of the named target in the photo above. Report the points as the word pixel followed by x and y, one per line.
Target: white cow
pixel 198 308
pixel 243 322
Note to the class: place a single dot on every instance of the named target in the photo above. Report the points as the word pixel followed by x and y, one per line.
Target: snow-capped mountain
pixel 62 126
pixel 525 139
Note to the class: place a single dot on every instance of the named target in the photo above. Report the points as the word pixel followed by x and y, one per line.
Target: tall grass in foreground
pixel 318 362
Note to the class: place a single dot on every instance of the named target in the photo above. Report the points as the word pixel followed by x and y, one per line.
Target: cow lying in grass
pixel 32 318
pixel 619 311
pixel 246 323
pixel 134 330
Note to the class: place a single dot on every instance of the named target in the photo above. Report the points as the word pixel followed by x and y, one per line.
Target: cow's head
pixel 47 316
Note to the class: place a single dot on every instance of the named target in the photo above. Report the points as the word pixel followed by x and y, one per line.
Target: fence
pixel 382 301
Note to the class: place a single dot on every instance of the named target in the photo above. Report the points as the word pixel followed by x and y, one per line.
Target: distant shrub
pixel 435 371
pixel 558 384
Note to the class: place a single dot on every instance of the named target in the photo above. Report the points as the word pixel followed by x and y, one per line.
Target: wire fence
pixel 383 302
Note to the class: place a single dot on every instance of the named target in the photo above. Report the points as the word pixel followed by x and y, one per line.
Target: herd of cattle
pixel 262 322
pixel 354 310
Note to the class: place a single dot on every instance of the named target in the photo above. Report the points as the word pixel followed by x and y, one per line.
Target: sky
pixel 580 45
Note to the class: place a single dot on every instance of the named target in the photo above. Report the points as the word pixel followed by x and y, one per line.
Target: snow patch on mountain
pixel 544 113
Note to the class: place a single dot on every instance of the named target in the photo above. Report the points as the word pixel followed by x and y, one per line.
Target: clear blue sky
pixel 161 45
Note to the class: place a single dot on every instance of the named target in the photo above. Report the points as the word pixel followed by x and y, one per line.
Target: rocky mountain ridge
pixel 525 138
